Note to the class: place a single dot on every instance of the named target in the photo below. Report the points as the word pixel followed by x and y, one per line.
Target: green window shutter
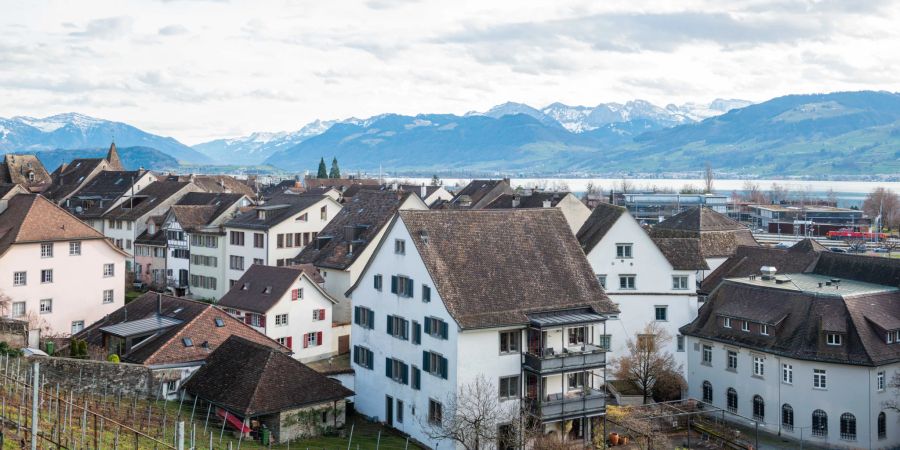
pixel 416 378
pixel 417 333
pixel 426 293
pixel 426 361
pixel 356 354
pixel 427 325
pixel 371 321
pixel 356 315
pixel 444 329
pixel 388 368
pixel 390 324
pixel 444 368
pixel 370 359
pixel 409 287
pixel 405 373
pixel 393 284
pixel 405 330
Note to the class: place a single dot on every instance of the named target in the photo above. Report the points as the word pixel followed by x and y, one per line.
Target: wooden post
pixel 36 390
pixel 179 436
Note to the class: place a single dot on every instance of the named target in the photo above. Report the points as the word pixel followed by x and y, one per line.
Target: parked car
pixel 784 245
pixel 881 250
pixel 838 249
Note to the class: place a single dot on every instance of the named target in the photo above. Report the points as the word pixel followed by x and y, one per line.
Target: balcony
pixel 580 403
pixel 569 359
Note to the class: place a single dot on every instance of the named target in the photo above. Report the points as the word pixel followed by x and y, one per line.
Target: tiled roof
pixel 278 209
pixel 198 209
pixel 33 218
pixel 104 189
pixel 479 193
pixel 748 260
pixel 260 288
pixel 146 200
pixel 67 178
pixel 340 184
pixel 16 168
pixel 598 224
pixel 6 188
pixel 533 200
pixel 870 269
pixel 493 267
pixel 249 379
pixel 198 322
pixel 216 184
pixel 683 254
pixel 719 235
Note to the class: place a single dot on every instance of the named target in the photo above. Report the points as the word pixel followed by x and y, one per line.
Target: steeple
pixel 112 157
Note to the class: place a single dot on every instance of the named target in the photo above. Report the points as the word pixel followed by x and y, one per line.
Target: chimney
pixel 768 272
pixel 547 203
pixel 158 304
pixel 424 192
pixel 297 183
pixel 516 200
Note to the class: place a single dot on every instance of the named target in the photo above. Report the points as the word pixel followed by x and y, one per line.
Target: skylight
pixel 188 342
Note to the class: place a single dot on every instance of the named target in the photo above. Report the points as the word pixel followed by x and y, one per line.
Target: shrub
pixel 114 358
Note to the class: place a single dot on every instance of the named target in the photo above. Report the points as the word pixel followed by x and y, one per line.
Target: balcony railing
pixel 571 358
pixel 562 406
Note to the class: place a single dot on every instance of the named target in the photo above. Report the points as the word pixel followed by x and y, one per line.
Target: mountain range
pixel 133 158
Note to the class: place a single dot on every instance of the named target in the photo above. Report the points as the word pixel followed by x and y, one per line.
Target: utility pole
pixel 36 389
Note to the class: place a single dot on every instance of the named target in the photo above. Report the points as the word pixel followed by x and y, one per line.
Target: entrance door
pixel 389 410
pixel 183 277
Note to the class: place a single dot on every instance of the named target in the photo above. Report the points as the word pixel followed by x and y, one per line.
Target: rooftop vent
pixel 768 272
pixel 423 234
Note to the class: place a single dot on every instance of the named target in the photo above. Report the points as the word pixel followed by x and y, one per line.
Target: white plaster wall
pixel 248 251
pixel 300 321
pixel 291 225
pixel 574 211
pixel 217 272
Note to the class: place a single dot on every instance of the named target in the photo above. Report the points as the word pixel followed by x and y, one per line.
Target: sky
pixel 198 70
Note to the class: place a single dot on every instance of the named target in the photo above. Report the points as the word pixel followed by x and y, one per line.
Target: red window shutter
pixel 289 342
pixel 247 318
pixel 322 314
pixel 295 293
pixel 305 341
pixel 262 321
pixel 319 338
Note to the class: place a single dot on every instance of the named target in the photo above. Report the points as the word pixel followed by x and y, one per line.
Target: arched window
pixel 848 427
pixel 759 408
pixel 787 417
pixel 707 392
pixel 732 400
pixel 819 423
pixel 882 425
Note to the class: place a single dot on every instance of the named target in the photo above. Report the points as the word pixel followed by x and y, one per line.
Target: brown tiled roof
pixel 492 267
pixel 33 218
pixel 192 217
pixel 146 200
pixel 532 200
pixel 598 224
pixel 683 254
pixel 808 245
pixel 870 269
pixel 68 178
pixel 249 379
pixel 15 169
pixel 278 209
pixel 698 219
pixel 157 240
pixel 197 322
pixel 480 193
pixel 719 235
pixel 104 188
pixel 340 184
pixel 216 184
pixel 203 208
pixel 262 286
pixel 366 214
pixel 747 261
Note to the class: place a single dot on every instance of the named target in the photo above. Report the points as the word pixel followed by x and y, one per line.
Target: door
pixel 389 410
pixel 182 277
pixel 343 344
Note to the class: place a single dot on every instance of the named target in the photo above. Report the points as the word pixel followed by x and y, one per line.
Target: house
pixel 194 223
pixel 289 305
pixel 222 184
pixel 651 280
pixel 24 170
pixel 572 208
pixel 150 255
pixel 429 194
pixel 451 296
pixel 262 385
pixel 341 184
pixel 273 232
pixel 346 244
pixel 804 353
pixel 105 191
pixel 163 332
pixel 719 235
pixel 128 220
pixel 58 272
pixel 67 179
pixel 478 194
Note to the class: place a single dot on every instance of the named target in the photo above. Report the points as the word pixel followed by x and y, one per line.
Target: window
pixel 626 281
pixel 623 250
pixel 602 280
pixel 833 339
pixel 604 341
pixel 46 306
pixel 819 423
pixel 759 408
pixel 435 412
pixel 188 342
pixel 259 240
pixel 509 387
pixel 18 309
pixel 434 364
pixel 679 343
pixel 363 357
pixel 236 238
pixel 679 282
pixel 416 379
pixel 416 333
pixel 575 380
pixel 297 294
pixel 258 261
pixel 399 246
pixel 20 278
pixel 312 340
pixel 364 317
pixel 109 270
pixel 236 262
pixel 402 286
pixel 426 293
pixel 47 250
pixel 787 417
pixel 77 326
pixel 732 360
pixel 289 240
pixel 707 355
pixel 893 336
pixel 399 411
pixel 436 328
pixel 727 322
pixel 323 213
pixel 107 296
pixel 819 379
pixel 707 392
pixel 509 342
pixel 576 336
pixel 396 370
pixel 787 373
pixel 398 327
pixel 377 281
pixel 181 253
pixel 879 381
pixel 848 427
pixel 281 319
pixel 74 248
pixel 882 425
pixel 759 366
pixel 745 325
pixel 662 313
pixel 731 400
pixel 764 329
pixel 47 276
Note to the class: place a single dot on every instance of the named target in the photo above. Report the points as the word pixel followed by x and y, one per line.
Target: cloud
pixel 172 30
pixel 108 28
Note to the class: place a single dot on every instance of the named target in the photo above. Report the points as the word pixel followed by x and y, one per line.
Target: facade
pixel 346 244
pixel 651 280
pixel 572 208
pixel 806 352
pixel 806 220
pixel 59 273
pixel 477 194
pixel 652 207
pixel 287 304
pixel 426 324
pixel 150 255
pixel 106 190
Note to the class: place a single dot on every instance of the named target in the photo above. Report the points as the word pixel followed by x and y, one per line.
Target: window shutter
pixel 405 373
pixel 305 341
pixel 290 342
pixel 416 378
pixel 319 338
pixel 409 287
pixel 247 318
pixel 427 325
pixel 393 284
pixel 371 319
pixel 444 368
pixel 262 321
pixel 322 314
pixel 356 315
pixel 370 357
pixel 390 324
pixel 405 330
pixel 426 293
pixel 356 354
pixel 444 329
pixel 388 368
pixel 426 361
pixel 417 333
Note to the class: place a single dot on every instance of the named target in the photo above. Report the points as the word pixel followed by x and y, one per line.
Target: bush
pixel 5 349
pixel 114 358
pixel 78 348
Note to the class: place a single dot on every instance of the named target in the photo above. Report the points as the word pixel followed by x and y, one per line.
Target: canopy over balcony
pixel 556 319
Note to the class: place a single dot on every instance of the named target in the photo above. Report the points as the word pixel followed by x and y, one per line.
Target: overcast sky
pixel 197 70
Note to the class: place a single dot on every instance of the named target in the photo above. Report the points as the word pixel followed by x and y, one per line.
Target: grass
pixel 131 294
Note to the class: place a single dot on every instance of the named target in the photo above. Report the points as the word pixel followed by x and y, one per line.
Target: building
pixel 806 353
pixel 260 384
pixel 288 304
pixel 272 233
pixel 58 272
pixel 429 194
pixel 478 194
pixel 24 170
pixel 452 296
pixel 166 333
pixel 67 179
pixel 653 207
pixel 346 244
pixel 719 236
pixel 572 208
pixel 150 256
pixel 651 280
pixel 105 191
pixel 220 184
pixel 806 220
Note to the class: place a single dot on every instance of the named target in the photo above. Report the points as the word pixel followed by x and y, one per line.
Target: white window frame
pixel 665 310
pixel 46 249
pixel 745 326
pixel 109 270
pixel 20 278
pixel 623 282
pixel 820 379
pixel 834 339
pixel 46 308
pixel 601 278
pixel 727 322
pixel 879 381
pixel 18 306
pixel 77 325
pixel 75 248
pixel 281 319
pixel 45 279
pixel 680 282
pixel 731 360
pixel 399 246
pixel 624 250
pixel 787 373
pixel 706 355
pixel 759 366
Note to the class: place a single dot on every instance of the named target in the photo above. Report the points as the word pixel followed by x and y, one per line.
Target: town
pixel 149 309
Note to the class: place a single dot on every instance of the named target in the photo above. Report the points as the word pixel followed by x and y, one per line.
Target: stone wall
pixel 14 332
pixel 306 422
pixel 102 377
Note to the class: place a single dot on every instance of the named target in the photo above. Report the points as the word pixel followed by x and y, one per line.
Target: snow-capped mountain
pixel 78 131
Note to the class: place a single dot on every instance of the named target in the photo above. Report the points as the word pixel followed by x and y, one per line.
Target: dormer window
pixel 261 214
pixel 745 326
pixel 833 339
pixel 764 329
pixel 727 322
pixel 893 336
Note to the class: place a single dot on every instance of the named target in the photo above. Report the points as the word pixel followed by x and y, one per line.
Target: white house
pixel 344 246
pixel 274 232
pixel 651 280
pixel 805 354
pixel 287 304
pixel 58 272
pixel 440 304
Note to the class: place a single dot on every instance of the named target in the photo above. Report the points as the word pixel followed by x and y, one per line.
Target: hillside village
pixel 486 316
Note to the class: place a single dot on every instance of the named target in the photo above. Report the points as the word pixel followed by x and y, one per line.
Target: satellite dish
pixel 79 209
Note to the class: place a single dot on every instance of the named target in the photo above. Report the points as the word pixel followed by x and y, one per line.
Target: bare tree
pixel 625 186
pixel 754 194
pixel 831 197
pixel 778 193
pixel 472 417
pixel 645 435
pixel 856 245
pixel 5 303
pixel 708 179
pixel 886 203
pixel 894 384
pixel 646 362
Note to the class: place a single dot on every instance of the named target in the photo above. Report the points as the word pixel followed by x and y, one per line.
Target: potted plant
pixel 613 439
